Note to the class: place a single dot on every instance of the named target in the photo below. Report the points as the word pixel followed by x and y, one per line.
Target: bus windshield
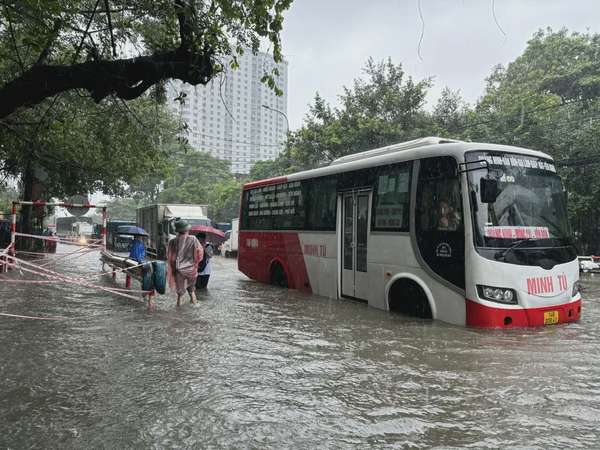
pixel 530 207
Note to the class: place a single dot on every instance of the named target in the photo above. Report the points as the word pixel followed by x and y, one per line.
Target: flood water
pixel 252 366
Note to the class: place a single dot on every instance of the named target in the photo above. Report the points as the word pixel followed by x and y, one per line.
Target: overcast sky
pixel 327 42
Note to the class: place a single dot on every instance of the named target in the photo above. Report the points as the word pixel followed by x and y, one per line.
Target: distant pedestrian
pixel 205 266
pixel 184 253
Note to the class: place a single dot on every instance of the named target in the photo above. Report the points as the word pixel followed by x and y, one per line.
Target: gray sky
pixel 327 42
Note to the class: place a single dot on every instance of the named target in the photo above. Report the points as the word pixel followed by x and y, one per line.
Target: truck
pixel 82 229
pixel 115 241
pixel 230 247
pixel 158 221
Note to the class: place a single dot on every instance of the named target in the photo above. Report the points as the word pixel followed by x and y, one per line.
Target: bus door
pixel 354 237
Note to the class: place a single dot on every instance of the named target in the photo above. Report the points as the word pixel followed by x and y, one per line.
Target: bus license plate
pixel 550 317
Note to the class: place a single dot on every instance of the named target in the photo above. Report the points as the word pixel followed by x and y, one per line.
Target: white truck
pixel 230 247
pixel 82 230
pixel 158 221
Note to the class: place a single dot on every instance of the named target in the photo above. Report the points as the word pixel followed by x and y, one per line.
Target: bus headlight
pixel 497 294
pixel 575 289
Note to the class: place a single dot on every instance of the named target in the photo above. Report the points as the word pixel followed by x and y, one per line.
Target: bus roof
pixel 406 151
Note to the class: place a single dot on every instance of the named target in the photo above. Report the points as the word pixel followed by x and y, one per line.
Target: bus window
pixel 391 199
pixel 321 203
pixel 362 231
pixel 439 219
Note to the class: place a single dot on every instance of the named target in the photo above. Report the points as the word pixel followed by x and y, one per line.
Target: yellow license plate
pixel 550 317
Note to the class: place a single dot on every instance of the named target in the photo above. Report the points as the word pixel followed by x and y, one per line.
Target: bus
pixel 467 233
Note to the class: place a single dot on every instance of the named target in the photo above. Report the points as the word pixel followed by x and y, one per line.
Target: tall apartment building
pixel 227 118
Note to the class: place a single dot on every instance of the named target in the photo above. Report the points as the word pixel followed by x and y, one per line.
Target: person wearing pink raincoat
pixel 184 253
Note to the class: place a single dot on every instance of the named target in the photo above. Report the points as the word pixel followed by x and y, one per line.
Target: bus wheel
pixel 278 276
pixel 406 297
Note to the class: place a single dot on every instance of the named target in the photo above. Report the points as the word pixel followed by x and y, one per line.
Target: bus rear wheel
pixel 278 275
pixel 406 297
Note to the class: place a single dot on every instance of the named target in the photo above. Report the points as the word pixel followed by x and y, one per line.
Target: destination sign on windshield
pixel 518 161
pixel 516 232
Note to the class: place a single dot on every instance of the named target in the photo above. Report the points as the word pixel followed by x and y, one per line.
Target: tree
pixel 7 195
pixel 192 178
pixel 123 208
pixel 199 178
pixel 449 114
pixel 269 168
pixel 384 108
pixel 224 200
pixel 547 99
pixel 86 147
pixel 53 46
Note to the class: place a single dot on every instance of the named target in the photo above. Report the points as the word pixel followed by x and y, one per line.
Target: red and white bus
pixel 467 233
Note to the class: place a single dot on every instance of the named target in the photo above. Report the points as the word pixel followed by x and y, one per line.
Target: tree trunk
pixel 26 215
pixel 32 189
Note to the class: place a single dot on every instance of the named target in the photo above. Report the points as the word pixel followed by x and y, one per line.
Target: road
pixel 256 366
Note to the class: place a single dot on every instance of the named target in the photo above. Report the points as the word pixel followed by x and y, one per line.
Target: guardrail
pixel 4 259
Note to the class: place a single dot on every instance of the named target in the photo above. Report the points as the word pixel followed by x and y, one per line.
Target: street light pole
pixel 286 121
pixel 282 113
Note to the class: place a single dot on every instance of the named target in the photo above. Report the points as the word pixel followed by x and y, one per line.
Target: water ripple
pixel 253 366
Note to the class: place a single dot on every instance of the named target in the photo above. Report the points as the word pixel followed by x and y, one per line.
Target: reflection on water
pixel 256 366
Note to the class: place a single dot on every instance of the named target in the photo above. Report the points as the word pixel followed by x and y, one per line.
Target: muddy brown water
pixel 252 366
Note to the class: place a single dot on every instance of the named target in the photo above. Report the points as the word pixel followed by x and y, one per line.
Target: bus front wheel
pixel 278 275
pixel 406 297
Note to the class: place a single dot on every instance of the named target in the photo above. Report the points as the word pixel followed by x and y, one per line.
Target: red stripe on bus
pixel 479 315
pixel 265 182
pixel 259 250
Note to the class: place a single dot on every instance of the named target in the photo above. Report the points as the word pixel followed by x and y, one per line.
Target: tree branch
pixel 46 51
pixel 125 78
pixel 110 27
pixel 184 13
pixel 14 40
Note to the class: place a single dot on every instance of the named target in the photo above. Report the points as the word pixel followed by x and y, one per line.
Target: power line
pixel 239 142
pixel 496 19
pixel 422 30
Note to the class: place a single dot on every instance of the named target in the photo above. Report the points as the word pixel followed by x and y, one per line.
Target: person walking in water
pixel 137 252
pixel 184 253
pixel 204 268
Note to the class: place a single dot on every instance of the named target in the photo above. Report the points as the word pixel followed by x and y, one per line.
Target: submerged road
pixel 255 366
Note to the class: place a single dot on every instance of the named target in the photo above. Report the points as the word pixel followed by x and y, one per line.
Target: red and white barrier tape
pixel 102 273
pixel 78 254
pixel 47 273
pixel 18 316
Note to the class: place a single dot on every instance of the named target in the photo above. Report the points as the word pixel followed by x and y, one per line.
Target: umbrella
pixel 132 230
pixel 212 234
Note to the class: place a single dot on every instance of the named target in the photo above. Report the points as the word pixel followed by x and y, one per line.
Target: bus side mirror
pixel 488 190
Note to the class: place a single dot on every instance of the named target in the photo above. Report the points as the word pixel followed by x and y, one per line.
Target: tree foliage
pixel 123 208
pixel 7 195
pixel 548 99
pixel 87 147
pixel 384 107
pixel 199 178
pixel 56 46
